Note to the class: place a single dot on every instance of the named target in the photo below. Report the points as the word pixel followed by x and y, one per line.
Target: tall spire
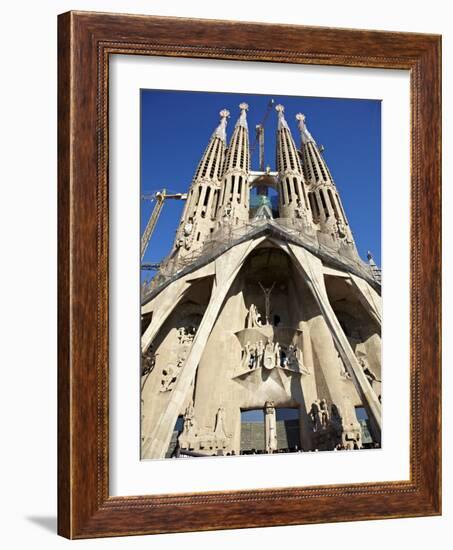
pixel 316 170
pixel 325 202
pixel 233 204
pixel 293 201
pixel 197 220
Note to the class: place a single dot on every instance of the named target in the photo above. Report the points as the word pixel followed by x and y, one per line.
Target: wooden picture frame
pixel 85 42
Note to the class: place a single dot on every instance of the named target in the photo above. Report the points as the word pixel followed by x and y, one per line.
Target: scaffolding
pixel 226 236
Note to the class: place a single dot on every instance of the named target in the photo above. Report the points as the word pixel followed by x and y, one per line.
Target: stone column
pixel 270 427
pixel 369 298
pixel 164 303
pixel 227 267
pixel 311 269
pixel 308 384
pixel 298 297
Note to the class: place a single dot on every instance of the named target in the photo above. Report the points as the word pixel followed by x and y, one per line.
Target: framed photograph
pixel 249 275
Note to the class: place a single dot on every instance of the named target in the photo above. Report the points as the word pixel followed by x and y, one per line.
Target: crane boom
pixel 259 138
pixel 159 197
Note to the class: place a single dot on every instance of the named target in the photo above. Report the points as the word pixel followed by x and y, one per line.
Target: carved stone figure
pixel 316 416
pixel 277 350
pixel 219 430
pixel 205 440
pixel 269 356
pixel 188 414
pixel 341 229
pixel 299 209
pixel 189 427
pixel 267 300
pixel 371 376
pixel 186 236
pixel 325 417
pixel 292 357
pixel 186 334
pixel 188 227
pixel 259 353
pixel 302 214
pixel 344 373
pixel 170 373
pixel 169 377
pixel 247 356
pixel 254 317
pixel 227 212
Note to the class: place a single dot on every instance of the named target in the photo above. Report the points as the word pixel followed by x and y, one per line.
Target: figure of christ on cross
pixel 267 300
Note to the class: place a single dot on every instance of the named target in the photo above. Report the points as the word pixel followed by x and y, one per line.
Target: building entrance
pixel 270 430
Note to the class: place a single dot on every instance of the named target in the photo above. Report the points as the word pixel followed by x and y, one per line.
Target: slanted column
pixel 227 267
pixel 164 303
pixel 311 269
pixel 369 298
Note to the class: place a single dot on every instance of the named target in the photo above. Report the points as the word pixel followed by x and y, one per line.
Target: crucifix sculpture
pixel 267 300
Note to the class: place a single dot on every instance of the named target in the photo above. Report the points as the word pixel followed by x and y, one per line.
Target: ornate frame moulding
pixel 85 41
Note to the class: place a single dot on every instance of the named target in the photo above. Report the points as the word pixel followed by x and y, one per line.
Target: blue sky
pixel 176 127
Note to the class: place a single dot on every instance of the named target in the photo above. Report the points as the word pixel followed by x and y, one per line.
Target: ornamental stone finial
pixel 220 132
pixel 281 117
pixel 242 120
pixel 300 117
pixel 304 133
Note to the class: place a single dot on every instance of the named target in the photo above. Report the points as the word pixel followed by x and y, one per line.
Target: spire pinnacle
pixel 242 120
pixel 305 135
pixel 220 131
pixel 370 258
pixel 281 117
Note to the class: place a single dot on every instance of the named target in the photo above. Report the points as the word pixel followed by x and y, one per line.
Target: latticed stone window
pixel 314 206
pixel 334 205
pixel 324 204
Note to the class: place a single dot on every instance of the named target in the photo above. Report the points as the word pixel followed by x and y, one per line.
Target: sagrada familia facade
pixel 261 332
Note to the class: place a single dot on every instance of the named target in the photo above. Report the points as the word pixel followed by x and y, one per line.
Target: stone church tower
pixel 262 329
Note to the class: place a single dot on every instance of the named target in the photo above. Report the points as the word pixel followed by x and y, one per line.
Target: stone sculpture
pixel 205 440
pixel 254 317
pixel 371 376
pixel 169 377
pixel 148 361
